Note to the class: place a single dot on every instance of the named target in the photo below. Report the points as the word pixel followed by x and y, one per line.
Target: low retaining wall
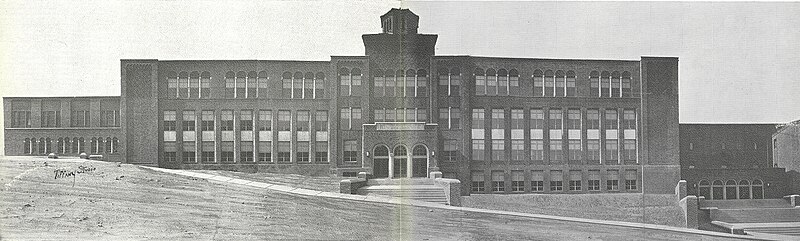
pixel 452 190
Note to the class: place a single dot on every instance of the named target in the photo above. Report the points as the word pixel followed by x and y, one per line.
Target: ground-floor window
pixel 321 151
pixel 498 181
pixel 284 152
pixel 575 181
pixel 226 156
pixel 265 151
pixel 556 181
pixel 537 181
pixel 517 181
pixel 630 180
pixel 478 182
pixel 594 180
pixel 207 156
pixel 170 156
pixel 303 153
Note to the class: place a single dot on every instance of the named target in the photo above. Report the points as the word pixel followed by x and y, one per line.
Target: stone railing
pixel 452 188
pixel 351 186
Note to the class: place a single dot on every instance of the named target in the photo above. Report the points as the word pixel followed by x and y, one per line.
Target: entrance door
pixel 400 162
pixel 419 165
pixel 380 168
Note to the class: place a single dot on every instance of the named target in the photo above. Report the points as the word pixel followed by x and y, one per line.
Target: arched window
pixel 241 85
pixel 42 146
pixel 308 85
pixel 378 83
pixel 75 148
pixel 34 147
pixel 491 82
pixel 704 189
pixel 594 84
pixel 230 84
pixel 571 90
pixel 194 85
pixel 108 145
pixel 410 82
pixel 100 145
pixel 26 146
pixel 502 82
pixel 444 81
pixel 172 84
pixel 297 85
pixel 400 168
pixel 758 189
pixel 380 162
pixel 744 189
pixel 48 145
pixel 81 145
pixel 730 190
pixel 422 83
pixel 345 82
pixel 538 83
pixel 717 190
pixel 615 84
pixel 549 83
pixel 513 82
pixel 60 145
pixel 480 82
pixel 263 84
pixel 561 81
pixel 114 145
pixel 455 82
pixel 205 84
pixel 93 144
pixel 319 85
pixel 399 82
pixel 183 85
pixel 626 84
pixel 65 145
pixel 286 85
pixel 251 84
pixel 388 77
pixel 605 84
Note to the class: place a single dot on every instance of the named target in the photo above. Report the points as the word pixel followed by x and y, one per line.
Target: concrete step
pixel 756 215
pixel 400 181
pixel 412 190
pixel 747 203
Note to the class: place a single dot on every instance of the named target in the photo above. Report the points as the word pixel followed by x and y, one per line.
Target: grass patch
pixel 319 183
pixel 655 208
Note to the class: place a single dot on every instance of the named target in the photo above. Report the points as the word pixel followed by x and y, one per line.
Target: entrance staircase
pixel 421 189
pixel 771 216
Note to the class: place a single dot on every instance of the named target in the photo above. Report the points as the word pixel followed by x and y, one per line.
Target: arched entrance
pixel 381 162
pixel 400 162
pixel 419 160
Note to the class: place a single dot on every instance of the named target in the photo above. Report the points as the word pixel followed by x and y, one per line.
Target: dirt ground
pixel 104 201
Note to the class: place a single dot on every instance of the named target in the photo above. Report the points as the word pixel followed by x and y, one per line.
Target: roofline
pixel 215 60
pixel 729 123
pixel 61 97
pixel 533 58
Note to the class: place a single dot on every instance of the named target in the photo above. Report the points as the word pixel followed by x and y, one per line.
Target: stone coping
pixel 385 200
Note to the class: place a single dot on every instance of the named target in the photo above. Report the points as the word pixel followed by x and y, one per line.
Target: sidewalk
pixel 396 201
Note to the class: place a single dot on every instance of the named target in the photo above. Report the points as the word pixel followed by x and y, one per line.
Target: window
pixel 517 119
pixel 226 120
pixel 21 119
pixel 555 121
pixel 390 83
pixel 350 118
pixel 308 85
pixel 172 85
pixel 478 184
pixel 51 118
pixel 170 156
pixel 560 83
pixel 615 84
pixel 478 148
pixel 571 90
pixel 575 180
pixel 265 120
pixel 605 84
pixel 183 85
pixel 517 150
pixel 321 151
pixel 594 84
pixel 226 151
pixel 348 81
pixel 630 181
pixel 284 120
pixel 303 120
pixel 286 85
pixel 513 82
pixel 194 85
pixel 491 82
pixel 556 181
pixel 517 181
pixel 246 120
pixel 188 123
pixel 284 152
pixel 611 120
pixel 422 83
pixel 573 119
pixel 321 120
pixel 108 145
pixel 379 83
pixel 241 85
pixel 246 151
pixel 207 152
pixel 319 85
pixel 594 180
pixel 263 84
pixel 297 85
pixel 80 118
pixel 410 83
pixel 480 82
pixel 478 119
pixel 538 83
pixel 629 150
pixel 498 119
pixel 502 82
pixel 450 81
pixel 549 83
pixel 350 151
pixel 626 84
pixel 593 119
pixel 451 152
pixel 207 120
pixel 189 152
pixel 704 189
pixel 498 181
pixel 109 117
pixel 450 118
pixel 612 180
pixel 537 150
pixel 612 152
pixel 537 181
pixel 265 151
pixel 498 150
pixel 169 120
pixel 537 119
pixel 303 151
pixel 744 189
pixel 556 148
pixel 574 150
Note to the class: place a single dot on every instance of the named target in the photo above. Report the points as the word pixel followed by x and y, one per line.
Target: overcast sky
pixel 739 62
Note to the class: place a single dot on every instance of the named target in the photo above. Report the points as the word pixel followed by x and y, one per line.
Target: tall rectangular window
pixel 21 119
pixel 611 152
pixel 555 121
pixel 189 118
pixel 169 120
pixel 207 154
pixel 350 118
pixel 575 181
pixel 284 120
pixel 538 83
pixel 350 151
pixel 556 153
pixel 246 120
pixel 356 124
pixel 379 85
pixel 226 120
pixel 549 83
pixel 560 84
pixel 571 90
pixel 321 151
pixel 265 120
pixel 303 151
pixel 478 150
pixel 286 85
pixel 611 121
pixel 498 181
pixel 477 182
pixel 230 84
pixel 246 151
pixel 498 150
pixel 517 119
pixel 444 118
pixel 593 119
pixel 284 151
pixel 626 84
pixel 455 118
pixel 189 150
pixel 517 150
pixel 537 181
pixel 265 151
pixel 207 120
pixel 226 151
pixel 594 84
pixel 593 151
pixel 321 120
pixel 480 82
pixel 51 118
pixel 574 150
pixel 605 84
pixel 303 120
pixel 630 180
pixel 478 119
pixel 517 181
pixel 451 152
pixel 573 119
pixel 629 154
pixel 556 181
pixel 594 180
pixel 537 150
pixel 612 180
